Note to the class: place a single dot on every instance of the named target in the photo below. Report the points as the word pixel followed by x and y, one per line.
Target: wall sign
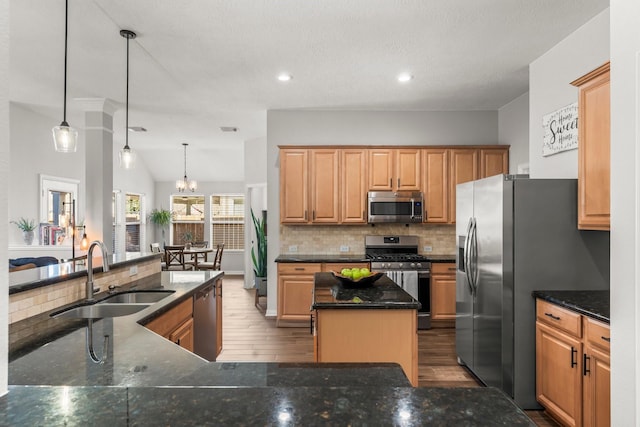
pixel 560 130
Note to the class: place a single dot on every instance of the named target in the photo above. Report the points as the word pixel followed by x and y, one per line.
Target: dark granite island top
pixel 594 304
pixel 329 293
pixel 291 258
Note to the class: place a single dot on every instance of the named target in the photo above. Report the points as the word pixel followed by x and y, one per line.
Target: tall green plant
pixel 259 251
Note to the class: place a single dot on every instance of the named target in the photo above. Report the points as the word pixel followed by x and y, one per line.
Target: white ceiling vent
pixel 228 129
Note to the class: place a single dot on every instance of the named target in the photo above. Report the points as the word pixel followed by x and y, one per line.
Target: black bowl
pixel 362 282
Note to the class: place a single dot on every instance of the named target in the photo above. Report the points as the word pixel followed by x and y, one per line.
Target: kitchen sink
pixel 99 311
pixel 136 297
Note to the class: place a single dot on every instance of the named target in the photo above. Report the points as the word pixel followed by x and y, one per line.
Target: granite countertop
pixel 287 258
pixel 329 292
pixel 283 406
pixel 23 280
pixel 594 304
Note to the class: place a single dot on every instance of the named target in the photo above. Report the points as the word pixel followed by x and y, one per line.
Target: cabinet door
pixel 435 187
pixel 407 169
pixel 597 387
pixel 353 174
pixel 381 163
pixel 463 167
pixel 295 297
pixel 183 335
pixel 324 186
pixel 293 186
pixel 494 162
pixel 443 291
pixel 559 374
pixel 218 296
pixel 594 157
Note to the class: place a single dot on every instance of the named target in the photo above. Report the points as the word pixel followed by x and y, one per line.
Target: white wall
pixel 361 128
pixel 550 88
pixel 232 261
pixel 513 130
pixel 625 199
pixel 4 193
pixel 32 154
pixel 255 171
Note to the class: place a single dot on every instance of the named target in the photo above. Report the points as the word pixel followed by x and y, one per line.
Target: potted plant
pixel 161 218
pixel 259 255
pixel 187 238
pixel 27 226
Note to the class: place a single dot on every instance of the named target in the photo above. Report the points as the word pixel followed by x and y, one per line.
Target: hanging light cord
pixel 66 33
pixel 185 164
pixel 126 129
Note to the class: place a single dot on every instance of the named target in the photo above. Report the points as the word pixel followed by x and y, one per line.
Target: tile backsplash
pixel 316 239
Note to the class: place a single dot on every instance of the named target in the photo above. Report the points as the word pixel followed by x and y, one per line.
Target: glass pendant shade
pixel 184 183
pixel 127 158
pixel 65 138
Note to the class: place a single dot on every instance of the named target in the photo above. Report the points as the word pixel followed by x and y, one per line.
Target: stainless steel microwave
pixel 395 206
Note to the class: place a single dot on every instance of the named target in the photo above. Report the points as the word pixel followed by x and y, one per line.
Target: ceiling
pixel 197 65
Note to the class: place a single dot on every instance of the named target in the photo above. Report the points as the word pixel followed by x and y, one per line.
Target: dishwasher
pixel 204 323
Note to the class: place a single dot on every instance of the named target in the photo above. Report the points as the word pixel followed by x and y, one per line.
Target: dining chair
pixel 155 248
pixel 174 258
pixel 216 264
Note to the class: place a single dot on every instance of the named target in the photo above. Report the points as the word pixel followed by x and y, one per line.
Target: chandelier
pixel 184 183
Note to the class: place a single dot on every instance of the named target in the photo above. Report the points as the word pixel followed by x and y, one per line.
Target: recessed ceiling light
pixel 228 129
pixel 284 77
pixel 404 77
pixel 137 129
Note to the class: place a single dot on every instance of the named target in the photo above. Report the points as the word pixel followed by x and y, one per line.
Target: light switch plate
pixel 133 270
pixel 428 248
pixel 293 248
pixel 344 248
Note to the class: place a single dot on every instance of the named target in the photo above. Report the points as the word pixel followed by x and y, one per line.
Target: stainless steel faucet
pixel 105 266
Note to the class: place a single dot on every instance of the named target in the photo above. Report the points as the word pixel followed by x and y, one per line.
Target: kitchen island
pixel 377 323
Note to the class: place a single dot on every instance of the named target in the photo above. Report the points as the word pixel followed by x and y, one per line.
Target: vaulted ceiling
pixel 197 65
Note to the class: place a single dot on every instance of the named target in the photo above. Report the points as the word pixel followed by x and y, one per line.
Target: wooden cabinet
pixel 353 186
pixel 463 167
pixel 436 184
pixel 572 366
pixel 493 161
pixel 295 289
pixel 395 169
pixel 594 159
pixel 443 291
pixel 324 190
pixel 176 324
pixel 372 336
pixel 597 375
pixel 294 196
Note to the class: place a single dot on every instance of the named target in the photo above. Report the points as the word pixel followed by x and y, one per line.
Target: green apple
pixel 356 274
pixel 364 271
pixel 346 272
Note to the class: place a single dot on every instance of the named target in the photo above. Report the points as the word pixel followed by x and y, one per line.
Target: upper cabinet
pixel 493 161
pixel 436 184
pixel 353 186
pixel 392 169
pixel 463 167
pixel 594 158
pixel 294 198
pixel 324 166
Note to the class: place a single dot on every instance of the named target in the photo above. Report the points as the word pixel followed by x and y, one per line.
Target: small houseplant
pixel 259 255
pixel 27 226
pixel 161 218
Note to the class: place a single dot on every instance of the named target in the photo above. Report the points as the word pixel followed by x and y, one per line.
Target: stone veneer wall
pixel 318 239
pixel 40 300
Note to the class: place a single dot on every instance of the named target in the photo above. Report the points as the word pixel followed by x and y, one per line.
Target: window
pixel 227 221
pixel 133 222
pixel 188 219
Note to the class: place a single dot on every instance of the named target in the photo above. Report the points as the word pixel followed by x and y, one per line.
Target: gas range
pixel 395 253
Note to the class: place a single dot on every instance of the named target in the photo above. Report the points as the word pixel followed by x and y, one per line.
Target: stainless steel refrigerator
pixel 516 235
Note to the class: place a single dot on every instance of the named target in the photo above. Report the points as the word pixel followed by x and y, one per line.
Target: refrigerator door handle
pixel 467 263
pixel 474 254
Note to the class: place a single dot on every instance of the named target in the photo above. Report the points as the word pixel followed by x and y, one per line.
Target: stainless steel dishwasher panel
pixel 204 324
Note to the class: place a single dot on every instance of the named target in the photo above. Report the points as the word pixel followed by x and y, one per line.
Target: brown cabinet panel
pixel 169 321
pixel 436 185
pixel 294 168
pixel 463 167
pixel 443 291
pixel 594 158
pixel 353 185
pixel 407 170
pixel 324 186
pixel 381 162
pixel 183 335
pixel 494 162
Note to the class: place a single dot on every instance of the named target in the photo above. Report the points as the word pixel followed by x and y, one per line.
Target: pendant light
pixel 184 183
pixel 65 138
pixel 127 156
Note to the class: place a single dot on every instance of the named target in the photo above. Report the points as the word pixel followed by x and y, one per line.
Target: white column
pixel 99 168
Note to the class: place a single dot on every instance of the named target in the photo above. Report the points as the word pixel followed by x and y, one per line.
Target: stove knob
pixel 399 265
pixel 413 265
pixel 419 265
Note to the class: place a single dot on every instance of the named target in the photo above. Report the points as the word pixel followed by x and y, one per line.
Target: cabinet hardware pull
pixel 398 183
pixel 311 324
pixel 607 339
pixel 305 215
pixel 552 316
pixel 391 182
pixel 452 269
pixel 573 362
pixel 585 370
pixel 314 214
pixel 299 269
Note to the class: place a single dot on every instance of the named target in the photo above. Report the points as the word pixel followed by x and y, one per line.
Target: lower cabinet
pixel 295 289
pixel 572 366
pixel 371 336
pixel 443 291
pixel 176 324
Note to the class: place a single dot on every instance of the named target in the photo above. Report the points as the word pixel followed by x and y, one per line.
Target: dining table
pixel 195 252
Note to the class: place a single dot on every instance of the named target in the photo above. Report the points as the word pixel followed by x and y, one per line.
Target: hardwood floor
pixel 250 337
